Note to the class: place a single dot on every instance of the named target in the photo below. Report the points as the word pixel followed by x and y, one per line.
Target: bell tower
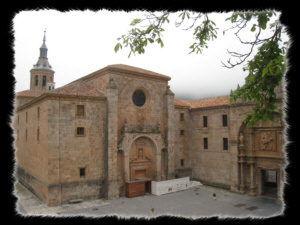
pixel 42 74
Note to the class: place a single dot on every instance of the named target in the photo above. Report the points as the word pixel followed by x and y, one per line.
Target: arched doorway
pixel 142 159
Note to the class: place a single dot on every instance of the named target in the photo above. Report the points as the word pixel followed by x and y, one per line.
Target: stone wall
pixel 183 134
pixel 212 165
pixel 68 152
pixel 31 140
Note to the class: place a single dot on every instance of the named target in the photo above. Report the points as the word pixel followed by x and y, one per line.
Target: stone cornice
pixel 54 96
pixel 122 72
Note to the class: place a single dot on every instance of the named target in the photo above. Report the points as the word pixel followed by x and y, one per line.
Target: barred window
pixel 181 116
pixel 80 131
pixel 80 111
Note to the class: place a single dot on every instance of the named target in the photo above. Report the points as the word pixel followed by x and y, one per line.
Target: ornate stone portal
pixel 259 152
pixel 141 157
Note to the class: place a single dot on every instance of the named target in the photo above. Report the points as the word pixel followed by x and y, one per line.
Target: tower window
pixel 44 80
pixel 181 132
pixel 36 80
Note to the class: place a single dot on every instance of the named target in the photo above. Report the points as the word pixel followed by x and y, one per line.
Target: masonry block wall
pixel 76 162
pixel 31 134
pixel 211 163
pixel 183 133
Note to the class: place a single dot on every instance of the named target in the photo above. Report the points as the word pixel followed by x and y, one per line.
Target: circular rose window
pixel 139 98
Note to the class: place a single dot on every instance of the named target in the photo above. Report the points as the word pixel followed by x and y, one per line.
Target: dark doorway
pixel 269 181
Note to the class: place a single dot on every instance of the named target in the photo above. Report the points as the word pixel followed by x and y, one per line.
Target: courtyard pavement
pixel 194 203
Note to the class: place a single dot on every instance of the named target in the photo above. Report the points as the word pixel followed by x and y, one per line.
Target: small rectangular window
pixel 181 132
pixel 80 131
pixel 181 116
pixel 82 172
pixel 225 143
pixel 38 135
pixel 182 162
pixel 80 111
pixel 224 119
pixel 38 112
pixel 204 121
pixel 205 143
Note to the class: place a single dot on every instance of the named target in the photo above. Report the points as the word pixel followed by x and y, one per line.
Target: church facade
pixel 85 140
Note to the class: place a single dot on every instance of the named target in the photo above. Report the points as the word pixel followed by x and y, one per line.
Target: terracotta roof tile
pixel 137 70
pixel 180 102
pixel 30 93
pixel 79 88
pixel 205 102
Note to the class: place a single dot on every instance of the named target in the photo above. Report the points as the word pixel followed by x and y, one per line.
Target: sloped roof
pixel 180 102
pixel 30 93
pixel 79 88
pixel 203 103
pixel 137 70
pixel 126 69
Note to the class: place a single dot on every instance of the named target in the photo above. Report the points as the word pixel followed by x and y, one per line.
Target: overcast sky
pixel 81 42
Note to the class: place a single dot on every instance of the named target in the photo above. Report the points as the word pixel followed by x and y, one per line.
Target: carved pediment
pixel 138 160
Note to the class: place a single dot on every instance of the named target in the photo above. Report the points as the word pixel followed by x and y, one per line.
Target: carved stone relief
pixel 267 141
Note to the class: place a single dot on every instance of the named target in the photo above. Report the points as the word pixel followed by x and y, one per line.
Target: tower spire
pixel 42 74
pixel 43 62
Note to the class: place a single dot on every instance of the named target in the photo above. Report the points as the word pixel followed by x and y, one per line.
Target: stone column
pixel 112 182
pixel 252 183
pixel 169 99
pixel 251 162
pixel 242 162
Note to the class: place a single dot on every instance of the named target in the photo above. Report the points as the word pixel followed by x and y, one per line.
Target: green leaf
pixel 151 40
pixel 253 28
pixel 117 47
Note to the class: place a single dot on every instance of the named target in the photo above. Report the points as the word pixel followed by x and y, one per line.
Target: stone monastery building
pixel 85 140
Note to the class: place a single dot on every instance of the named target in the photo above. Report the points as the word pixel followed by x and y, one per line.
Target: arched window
pixel 36 80
pixel 44 80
